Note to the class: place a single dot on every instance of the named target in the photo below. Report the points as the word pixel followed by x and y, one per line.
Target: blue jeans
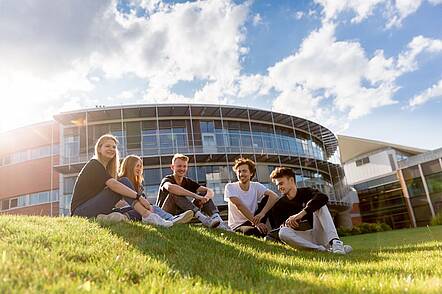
pixel 103 202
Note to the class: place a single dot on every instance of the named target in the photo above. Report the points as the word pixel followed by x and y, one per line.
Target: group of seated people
pixel 299 218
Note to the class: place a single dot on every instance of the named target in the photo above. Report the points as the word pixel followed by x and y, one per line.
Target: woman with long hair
pixel 131 174
pixel 97 190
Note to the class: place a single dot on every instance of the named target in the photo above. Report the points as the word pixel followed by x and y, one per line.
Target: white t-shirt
pixel 249 198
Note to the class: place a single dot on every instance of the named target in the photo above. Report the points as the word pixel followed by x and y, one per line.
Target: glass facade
pixel 166 137
pixel 29 200
pixel 433 176
pixel 28 154
pixel 418 198
pixel 383 203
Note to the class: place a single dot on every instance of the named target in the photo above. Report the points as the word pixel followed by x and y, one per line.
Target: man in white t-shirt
pixel 246 214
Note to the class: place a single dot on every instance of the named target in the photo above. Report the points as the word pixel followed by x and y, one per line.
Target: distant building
pixel 397 185
pixel 28 183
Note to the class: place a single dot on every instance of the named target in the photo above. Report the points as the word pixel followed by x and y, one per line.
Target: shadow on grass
pixel 230 260
pixel 195 252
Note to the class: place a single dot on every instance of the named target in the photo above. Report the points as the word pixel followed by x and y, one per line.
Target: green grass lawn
pixel 42 254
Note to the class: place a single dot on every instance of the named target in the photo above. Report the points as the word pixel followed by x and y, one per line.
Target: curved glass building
pixel 212 136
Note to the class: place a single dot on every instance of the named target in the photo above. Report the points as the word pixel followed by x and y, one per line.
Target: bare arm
pixel 273 198
pixel 121 189
pixel 242 208
pixel 177 190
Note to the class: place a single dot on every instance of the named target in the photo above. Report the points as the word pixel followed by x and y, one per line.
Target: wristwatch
pixel 139 194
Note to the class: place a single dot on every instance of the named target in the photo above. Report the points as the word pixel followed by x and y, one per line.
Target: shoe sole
pixel 112 218
pixel 187 217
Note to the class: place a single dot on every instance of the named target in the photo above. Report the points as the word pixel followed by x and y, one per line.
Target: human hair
pixel 112 165
pixel 127 170
pixel 180 156
pixel 241 161
pixel 280 172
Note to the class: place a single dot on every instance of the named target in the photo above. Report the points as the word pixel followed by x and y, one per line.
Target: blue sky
pixel 370 69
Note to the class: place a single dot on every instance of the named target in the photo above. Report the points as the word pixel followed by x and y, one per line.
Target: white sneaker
pixel 183 218
pixel 224 226
pixel 210 222
pixel 113 217
pixel 155 219
pixel 338 247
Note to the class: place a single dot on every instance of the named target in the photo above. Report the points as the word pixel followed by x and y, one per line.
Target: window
pixel 33 199
pixel 43 197
pixel 23 201
pixel 56 149
pixel 133 135
pixel 35 153
pixel 45 151
pixel 68 184
pixel 431 167
pixel 7 159
pixel 13 203
pixel 362 161
pixel 5 204
pixel 54 195
pixel 207 127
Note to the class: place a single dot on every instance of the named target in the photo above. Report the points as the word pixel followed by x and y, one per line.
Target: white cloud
pixel 400 11
pixel 328 70
pixel 59 50
pixel 334 82
pixel 257 19
pixel 395 11
pixel 362 8
pixel 407 61
pixel 299 15
pixel 253 85
pixel 431 93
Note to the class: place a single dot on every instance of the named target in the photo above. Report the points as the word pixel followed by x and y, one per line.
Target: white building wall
pixel 379 165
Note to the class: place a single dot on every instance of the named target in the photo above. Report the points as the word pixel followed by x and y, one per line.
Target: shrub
pixel 437 219
pixel 364 228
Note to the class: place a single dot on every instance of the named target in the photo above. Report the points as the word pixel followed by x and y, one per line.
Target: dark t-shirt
pixel 306 198
pixel 90 181
pixel 187 184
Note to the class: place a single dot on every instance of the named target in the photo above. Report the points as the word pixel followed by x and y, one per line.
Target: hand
pixel 257 218
pixel 200 201
pixel 205 199
pixel 293 221
pixel 262 228
pixel 145 203
pixel 209 193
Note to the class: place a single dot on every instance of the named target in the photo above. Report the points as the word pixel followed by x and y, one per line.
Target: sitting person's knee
pixel 285 232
